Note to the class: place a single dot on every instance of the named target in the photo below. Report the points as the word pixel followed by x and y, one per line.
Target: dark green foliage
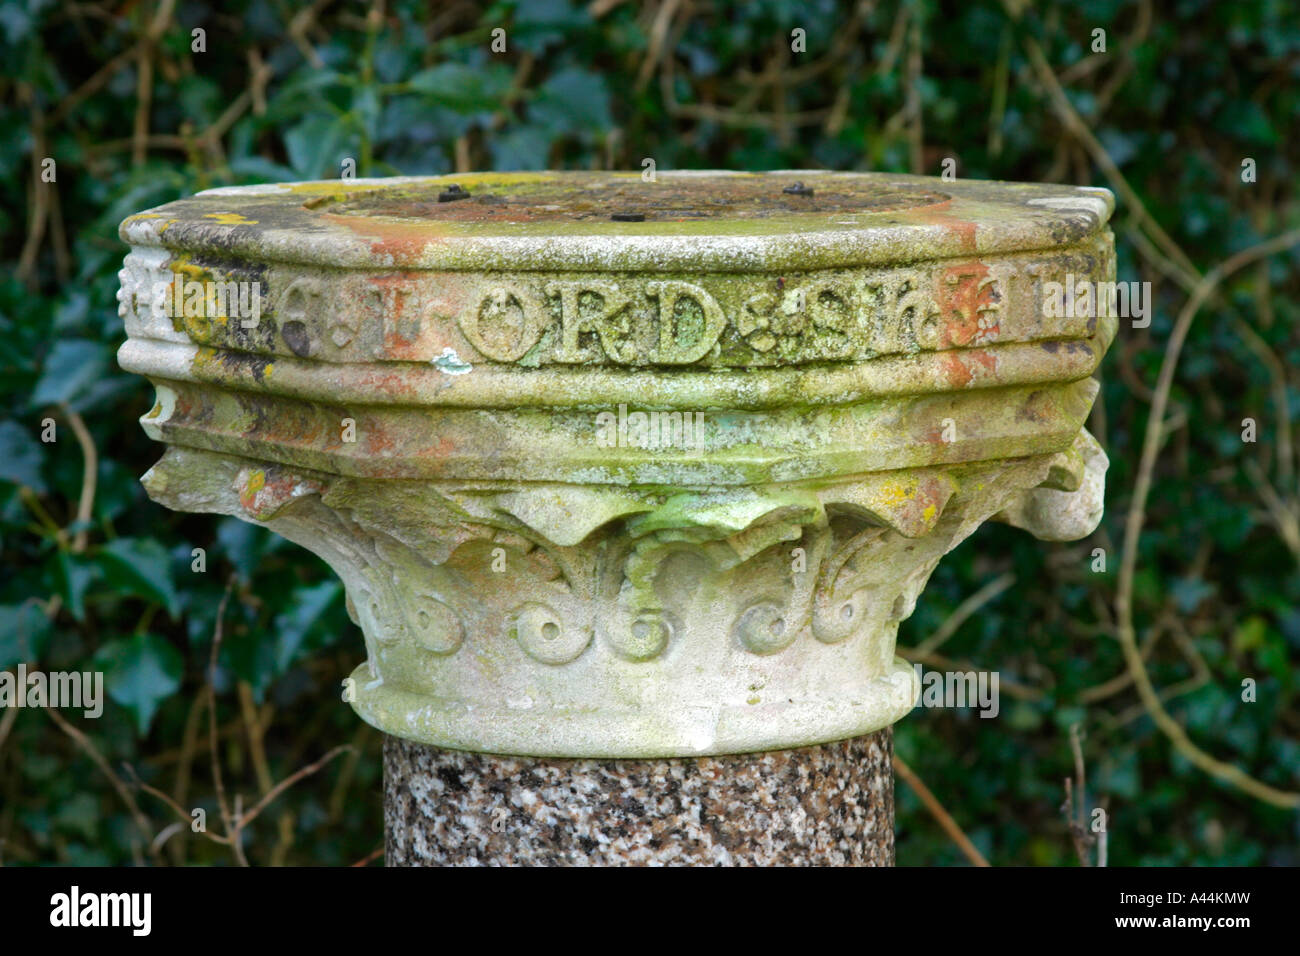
pixel 1185 93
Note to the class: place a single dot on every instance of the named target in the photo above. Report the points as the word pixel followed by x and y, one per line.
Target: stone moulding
pixel 870 374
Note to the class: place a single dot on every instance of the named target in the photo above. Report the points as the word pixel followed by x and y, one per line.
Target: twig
pixel 89 476
pixel 1077 823
pixel 253 732
pixel 370 857
pixel 227 820
pixel 915 131
pixel 302 22
pixel 1287 521
pixel 339 794
pixel 1226 772
pixel 289 781
pixel 1080 772
pixel 1005 685
pixel 172 804
pixel 40 199
pixel 941 816
pixel 663 22
pixel 7 724
pixel 1079 129
pixel 963 611
pixel 1109 688
pixel 141 821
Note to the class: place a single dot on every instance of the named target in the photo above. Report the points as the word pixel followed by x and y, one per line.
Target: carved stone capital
pixel 627 490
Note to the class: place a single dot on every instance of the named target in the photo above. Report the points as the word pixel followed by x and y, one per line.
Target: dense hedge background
pixel 96 576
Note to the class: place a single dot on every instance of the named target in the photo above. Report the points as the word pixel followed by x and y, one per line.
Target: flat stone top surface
pixel 588 221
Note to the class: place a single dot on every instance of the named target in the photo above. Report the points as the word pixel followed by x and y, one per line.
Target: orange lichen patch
pixel 436 337
pixel 230 219
pixel 290 423
pixel 376 440
pixel 913 506
pixel 968 303
pixel 401 306
pixel 183 408
pixel 442 447
pixel 1039 408
pixel 403 243
pixel 938 214
pixel 960 369
pixel 932 436
pixel 437 324
pixel 262 493
pixel 385 383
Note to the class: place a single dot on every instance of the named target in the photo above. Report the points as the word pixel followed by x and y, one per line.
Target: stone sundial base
pixel 633 479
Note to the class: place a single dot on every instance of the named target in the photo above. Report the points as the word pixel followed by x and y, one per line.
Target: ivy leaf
pixel 306 607
pixel 248 654
pixel 1189 592
pixel 76 373
pixel 77 573
pixel 573 100
pixel 258 168
pixel 142 566
pixel 20 457
pixel 1250 634
pixel 139 673
pixel 461 88
pixel 315 147
pixel 526 147
pixel 24 632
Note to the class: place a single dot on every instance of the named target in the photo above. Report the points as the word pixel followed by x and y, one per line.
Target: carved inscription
pixel 671 322
pixel 724 320
pixel 505 323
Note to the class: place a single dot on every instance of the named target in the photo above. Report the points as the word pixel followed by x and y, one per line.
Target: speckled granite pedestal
pixel 827 805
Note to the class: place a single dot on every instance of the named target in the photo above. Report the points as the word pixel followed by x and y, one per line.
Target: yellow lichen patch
pixel 331 187
pixel 895 494
pixel 184 266
pixel 214 306
pixel 143 215
pixel 511 179
pixel 206 362
pixel 230 218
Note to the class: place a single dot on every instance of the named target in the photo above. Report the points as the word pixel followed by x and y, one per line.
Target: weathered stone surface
pixel 451 401
pixel 831 805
